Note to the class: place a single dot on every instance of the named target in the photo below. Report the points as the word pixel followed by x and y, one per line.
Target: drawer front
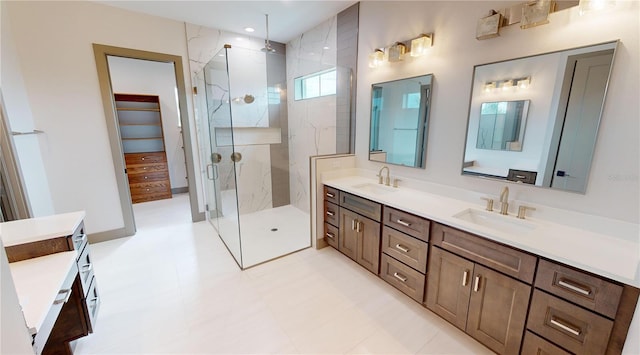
pixel 148 177
pixel 361 206
pixel 571 327
pixel 145 158
pixel 85 270
pixel 331 213
pixel 402 277
pixel 156 187
pixel 93 305
pixel 409 250
pixel 331 235
pixel 332 195
pixel 407 223
pixel 588 291
pixel 534 345
pixel 147 169
pixel 507 260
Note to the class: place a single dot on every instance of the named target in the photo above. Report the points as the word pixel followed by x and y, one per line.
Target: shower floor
pixel 267 234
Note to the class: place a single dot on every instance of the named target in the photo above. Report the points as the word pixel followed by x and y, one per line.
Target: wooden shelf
pixel 137 109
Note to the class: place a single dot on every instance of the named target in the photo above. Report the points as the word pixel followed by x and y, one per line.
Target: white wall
pixel 134 76
pixel 53 42
pixel 29 148
pixel 613 190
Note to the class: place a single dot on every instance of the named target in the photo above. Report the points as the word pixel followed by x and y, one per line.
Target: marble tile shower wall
pixel 312 123
pixel 247 70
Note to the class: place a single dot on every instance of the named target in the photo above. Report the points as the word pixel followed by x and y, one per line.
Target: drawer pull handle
pixel 330 195
pixel 94 301
pixel 399 277
pixel 558 323
pixel 329 213
pixel 86 268
pixel 465 278
pixel 575 288
pixel 330 235
pixel 80 238
pixel 66 298
pixel 402 248
pixel 476 284
pixel 406 224
pixel 358 226
pixel 353 224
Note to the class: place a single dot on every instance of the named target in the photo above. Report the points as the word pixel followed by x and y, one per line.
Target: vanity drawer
pixel 331 213
pixel 586 290
pixel 361 206
pixel 405 222
pixel 571 327
pixel 534 345
pixel 507 260
pixel 331 195
pixel 331 235
pixel 146 169
pixel 402 247
pixel 85 270
pixel 402 277
pixel 145 158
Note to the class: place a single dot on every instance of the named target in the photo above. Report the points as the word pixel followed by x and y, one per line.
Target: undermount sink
pixel 376 189
pixel 494 220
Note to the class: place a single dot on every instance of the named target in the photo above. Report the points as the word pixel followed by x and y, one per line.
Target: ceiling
pixel 287 19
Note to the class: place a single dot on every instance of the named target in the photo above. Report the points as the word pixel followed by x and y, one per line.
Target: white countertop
pixel 38 282
pixel 35 229
pixel 605 255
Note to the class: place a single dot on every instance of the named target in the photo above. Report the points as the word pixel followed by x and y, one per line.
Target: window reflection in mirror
pixel 502 125
pixel 399 116
pixel 564 96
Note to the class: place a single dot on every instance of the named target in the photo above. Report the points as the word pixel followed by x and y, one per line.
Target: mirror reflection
pixel 399 117
pixel 558 97
pixel 501 125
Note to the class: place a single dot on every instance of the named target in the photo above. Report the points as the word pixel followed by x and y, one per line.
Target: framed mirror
pixel 535 120
pixel 399 121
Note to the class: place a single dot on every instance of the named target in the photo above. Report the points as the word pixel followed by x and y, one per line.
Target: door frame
pixel 101 52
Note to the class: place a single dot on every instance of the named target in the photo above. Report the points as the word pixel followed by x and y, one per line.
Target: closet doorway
pixel 113 64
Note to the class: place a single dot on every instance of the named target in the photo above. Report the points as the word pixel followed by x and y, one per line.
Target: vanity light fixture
pixel 587 6
pixel 397 51
pixel 489 86
pixel 523 83
pixel 506 85
pixel 419 45
pixel 536 13
pixel 376 58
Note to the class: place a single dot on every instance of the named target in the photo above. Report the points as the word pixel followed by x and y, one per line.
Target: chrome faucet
pixel 387 180
pixel 504 200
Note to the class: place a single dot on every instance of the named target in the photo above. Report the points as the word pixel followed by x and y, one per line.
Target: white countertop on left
pixel 40 228
pixel 38 282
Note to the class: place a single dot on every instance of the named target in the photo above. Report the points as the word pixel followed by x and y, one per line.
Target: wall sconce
pixel 507 84
pixel 587 6
pixel 376 58
pixel 419 45
pixel 397 51
pixel 537 13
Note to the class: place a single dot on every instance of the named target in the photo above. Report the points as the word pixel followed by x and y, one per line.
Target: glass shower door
pixel 220 174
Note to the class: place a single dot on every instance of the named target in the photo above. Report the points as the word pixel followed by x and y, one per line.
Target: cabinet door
pixel 497 310
pixel 449 286
pixel 368 250
pixel 348 240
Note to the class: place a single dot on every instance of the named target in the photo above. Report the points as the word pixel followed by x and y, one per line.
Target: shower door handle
pixel 215 172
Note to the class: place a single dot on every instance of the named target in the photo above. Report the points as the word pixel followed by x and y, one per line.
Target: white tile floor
pixel 174 288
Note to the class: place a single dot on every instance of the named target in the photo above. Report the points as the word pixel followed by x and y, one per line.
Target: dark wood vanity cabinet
pixel 488 305
pixel 352 225
pixel 78 315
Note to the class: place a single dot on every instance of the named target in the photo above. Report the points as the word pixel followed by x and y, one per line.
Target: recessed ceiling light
pixel 249 29
pixel 325 47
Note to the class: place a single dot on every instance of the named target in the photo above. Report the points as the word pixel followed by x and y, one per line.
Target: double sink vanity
pixel 515 284
pixel 50 263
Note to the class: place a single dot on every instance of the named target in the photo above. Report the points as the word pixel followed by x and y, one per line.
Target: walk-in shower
pixel 242 109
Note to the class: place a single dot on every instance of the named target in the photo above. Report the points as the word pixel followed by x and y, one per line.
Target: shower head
pixel 267 45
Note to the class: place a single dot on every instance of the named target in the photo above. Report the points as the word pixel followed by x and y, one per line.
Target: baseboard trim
pixel 108 235
pixel 198 217
pixel 180 190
